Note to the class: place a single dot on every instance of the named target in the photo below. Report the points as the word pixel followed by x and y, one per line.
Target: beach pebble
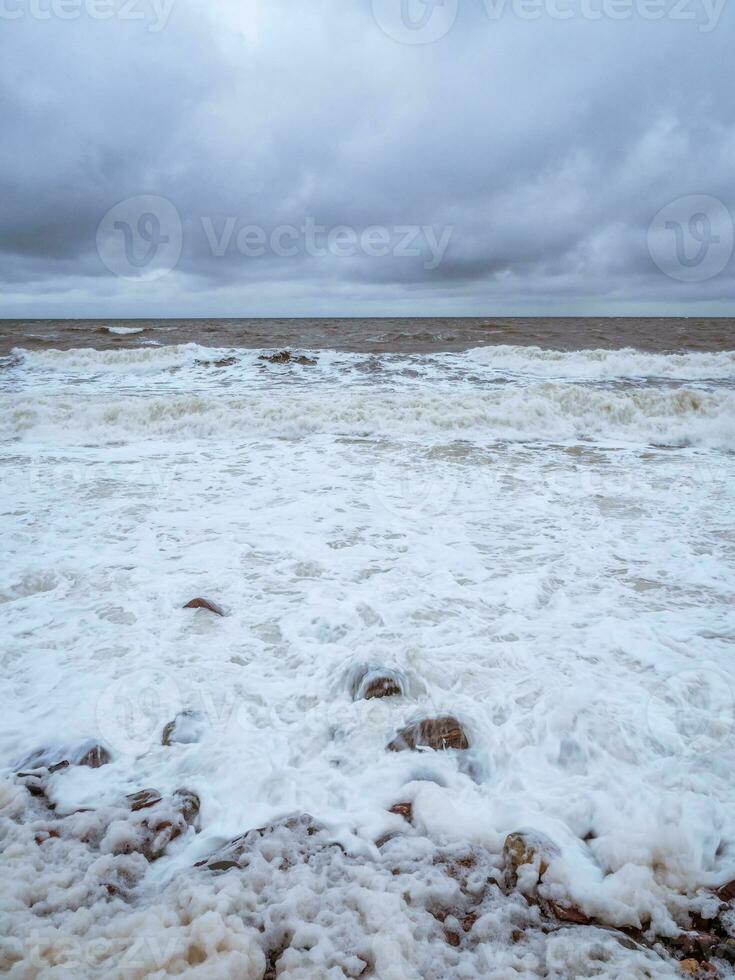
pixel 299 837
pixel 95 757
pixel 205 604
pixel 693 968
pixel 376 682
pixel 569 914
pixel 186 728
pixel 527 848
pixel 167 822
pixel 404 810
pixel 143 799
pixel 89 754
pixel 434 733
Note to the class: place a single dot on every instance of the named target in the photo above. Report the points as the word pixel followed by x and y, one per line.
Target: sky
pixel 366 157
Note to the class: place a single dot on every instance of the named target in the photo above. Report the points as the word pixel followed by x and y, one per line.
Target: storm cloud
pixel 163 157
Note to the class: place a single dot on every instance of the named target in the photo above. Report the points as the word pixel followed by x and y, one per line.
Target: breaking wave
pixel 585 365
pixel 549 410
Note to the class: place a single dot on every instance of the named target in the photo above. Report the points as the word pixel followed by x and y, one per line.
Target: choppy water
pixel 380 335
pixel 540 541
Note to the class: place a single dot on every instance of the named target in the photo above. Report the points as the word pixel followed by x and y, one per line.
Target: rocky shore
pixel 277 880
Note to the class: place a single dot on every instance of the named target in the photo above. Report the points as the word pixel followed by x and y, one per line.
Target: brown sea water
pixel 375 335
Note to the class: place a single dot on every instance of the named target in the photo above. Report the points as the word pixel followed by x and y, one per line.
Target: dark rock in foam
pixel 186 728
pixel 205 604
pixel 376 682
pixel 286 357
pixel 434 733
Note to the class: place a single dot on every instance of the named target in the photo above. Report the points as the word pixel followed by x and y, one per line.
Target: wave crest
pixel 549 410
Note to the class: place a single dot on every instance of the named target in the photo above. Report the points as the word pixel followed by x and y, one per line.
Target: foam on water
pixel 124 331
pixel 480 395
pixel 540 543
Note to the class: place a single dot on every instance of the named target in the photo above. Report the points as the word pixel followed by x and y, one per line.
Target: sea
pixel 526 525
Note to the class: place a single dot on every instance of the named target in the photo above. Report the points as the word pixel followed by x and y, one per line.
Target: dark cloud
pixel 546 146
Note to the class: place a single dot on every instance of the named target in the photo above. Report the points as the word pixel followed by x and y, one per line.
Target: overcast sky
pixel 350 157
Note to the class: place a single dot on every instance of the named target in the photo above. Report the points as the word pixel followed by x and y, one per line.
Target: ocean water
pixel 539 542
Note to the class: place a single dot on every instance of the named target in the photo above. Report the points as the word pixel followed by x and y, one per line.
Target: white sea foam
pixel 547 411
pixel 530 362
pixel 549 558
pixel 602 364
pixel 124 331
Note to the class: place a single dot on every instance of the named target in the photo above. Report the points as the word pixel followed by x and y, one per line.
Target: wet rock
pixel 725 951
pixel 285 357
pixel 205 604
pixel 381 687
pixel 187 803
pixel 692 968
pixel 458 866
pixel 569 914
pixel 162 833
pixel 625 938
pixel 726 892
pixel 41 836
pixel 87 754
pixel 95 757
pixel 376 682
pixel 221 363
pixel 35 782
pixel 274 955
pixel 694 944
pixel 224 865
pixel 301 836
pixel 434 733
pixel 404 810
pixel 186 728
pixel 526 848
pixel 468 921
pixel 143 799
pixel 167 822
